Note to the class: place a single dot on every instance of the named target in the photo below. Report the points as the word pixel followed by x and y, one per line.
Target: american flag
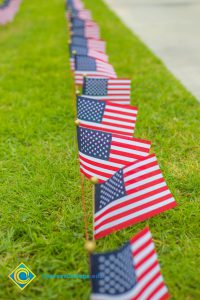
pixel 98 45
pixel 131 195
pixel 101 154
pixel 86 52
pixel 106 116
pixel 93 67
pixel 89 32
pixel 115 90
pixel 131 272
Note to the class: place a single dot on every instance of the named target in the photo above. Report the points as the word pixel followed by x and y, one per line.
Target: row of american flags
pixel 8 10
pixel 129 185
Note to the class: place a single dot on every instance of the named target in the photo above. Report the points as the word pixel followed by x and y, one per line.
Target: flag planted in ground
pixel 93 67
pixel 106 116
pixel 131 195
pixel 101 154
pixel 116 90
pixel 131 272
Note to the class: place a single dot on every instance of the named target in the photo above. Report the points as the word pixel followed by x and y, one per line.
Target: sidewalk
pixel 171 29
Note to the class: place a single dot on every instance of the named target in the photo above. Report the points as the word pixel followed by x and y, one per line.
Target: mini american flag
pixel 101 154
pixel 91 32
pixel 92 67
pixel 131 272
pixel 98 45
pixel 106 116
pixel 86 52
pixel 131 195
pixel 115 90
pixel 76 4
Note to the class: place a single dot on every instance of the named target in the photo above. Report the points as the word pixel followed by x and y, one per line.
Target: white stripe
pixel 140 241
pixel 105 162
pixel 110 98
pixel 134 215
pixel 129 207
pixel 111 114
pixel 146 265
pixel 113 92
pixel 119 157
pixel 118 122
pixel 141 173
pixel 120 109
pixel 160 293
pixel 151 288
pixel 93 174
pixel 142 254
pixel 120 81
pixel 128 197
pixel 126 150
pixel 144 181
pixel 101 126
pixel 140 164
pixel 119 86
pixel 141 144
pixel 97 168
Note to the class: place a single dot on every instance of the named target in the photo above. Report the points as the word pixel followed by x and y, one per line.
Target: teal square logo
pixel 22 276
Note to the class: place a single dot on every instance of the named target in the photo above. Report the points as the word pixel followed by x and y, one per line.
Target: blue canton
pixel 79 50
pixel 79 41
pixel 109 191
pixel 95 86
pixel 78 32
pixel 78 23
pixel 85 63
pixel 115 270
pixel 90 110
pixel 94 143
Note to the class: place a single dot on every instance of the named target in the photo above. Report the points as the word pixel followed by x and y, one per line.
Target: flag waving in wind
pixel 91 44
pixel 131 272
pixel 116 90
pixel 131 195
pixel 106 116
pixel 101 154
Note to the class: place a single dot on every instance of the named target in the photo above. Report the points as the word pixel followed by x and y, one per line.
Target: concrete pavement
pixel 171 28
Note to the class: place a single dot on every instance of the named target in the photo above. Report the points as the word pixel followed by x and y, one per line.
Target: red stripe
pixel 147 285
pixel 156 290
pixel 143 177
pixel 118 126
pixel 133 200
pixel 106 130
pixel 133 210
pixel 146 185
pixel 141 167
pixel 130 146
pixel 97 164
pixel 135 220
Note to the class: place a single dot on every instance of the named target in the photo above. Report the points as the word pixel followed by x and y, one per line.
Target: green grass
pixel 41 219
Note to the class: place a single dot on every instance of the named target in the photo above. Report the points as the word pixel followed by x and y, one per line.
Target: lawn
pixel 41 218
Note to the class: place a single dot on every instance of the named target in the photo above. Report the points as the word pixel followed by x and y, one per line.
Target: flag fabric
pixel 93 67
pixel 106 116
pixel 8 11
pixel 131 272
pixel 92 44
pixel 131 195
pixel 86 52
pixel 102 154
pixel 83 14
pixel 77 4
pixel 91 31
pixel 116 90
